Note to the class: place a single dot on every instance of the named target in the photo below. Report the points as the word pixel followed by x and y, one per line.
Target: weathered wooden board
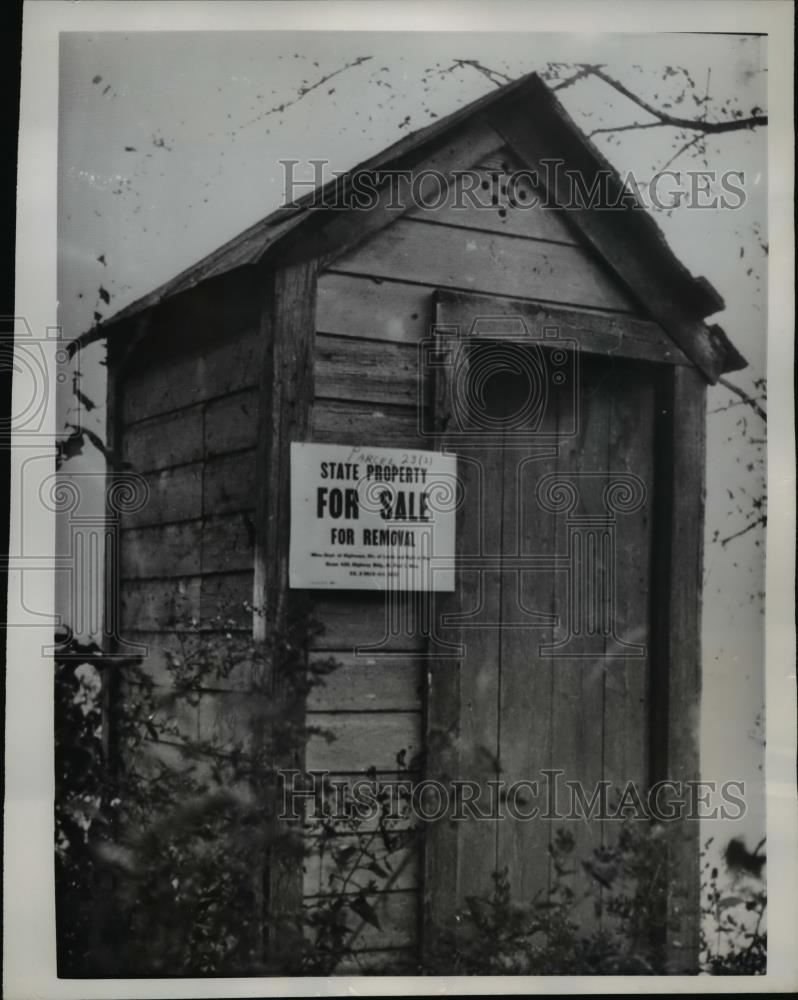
pixel 227 597
pixel 165 440
pixel 616 238
pixel 217 662
pixel 156 605
pixel 230 484
pixel 231 720
pixel 358 741
pixel 221 485
pixel 369 623
pixel 463 694
pixel 526 722
pixel 680 655
pixel 175 717
pixel 363 684
pixel 218 371
pixel 350 305
pixel 212 602
pixel 416 251
pixel 231 422
pixel 367 371
pixel 227 543
pixel 626 682
pixel 217 545
pixel 335 232
pixel 337 422
pixel 386 801
pixel 577 698
pixel 499 204
pixel 217 428
pixel 162 551
pixel 589 332
pixel 173 495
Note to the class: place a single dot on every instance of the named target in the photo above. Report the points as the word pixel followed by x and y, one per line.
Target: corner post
pixel 682 661
pixel 288 322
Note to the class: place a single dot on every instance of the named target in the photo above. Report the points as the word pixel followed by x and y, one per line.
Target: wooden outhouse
pixel 315 325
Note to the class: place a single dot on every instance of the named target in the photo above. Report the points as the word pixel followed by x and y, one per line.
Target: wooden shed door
pixel 556 458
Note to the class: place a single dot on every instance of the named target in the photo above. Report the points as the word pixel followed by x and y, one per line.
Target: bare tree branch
pixel 682 149
pixel 586 70
pixel 664 118
pixel 496 77
pixel 627 128
pixel 305 90
pixel 748 400
pixel 762 519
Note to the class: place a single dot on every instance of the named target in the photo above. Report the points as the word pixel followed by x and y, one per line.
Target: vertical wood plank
pixel 631 451
pixel 286 397
pixel 577 709
pixel 462 695
pixel 119 357
pixel 683 663
pixel 525 723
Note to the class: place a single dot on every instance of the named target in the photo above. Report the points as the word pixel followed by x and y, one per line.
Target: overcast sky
pixel 169 146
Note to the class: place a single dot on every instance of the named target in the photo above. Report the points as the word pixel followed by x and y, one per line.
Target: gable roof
pixel 517 104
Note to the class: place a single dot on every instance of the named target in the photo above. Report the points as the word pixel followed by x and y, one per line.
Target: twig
pixel 304 91
pixel 749 400
pixel 683 149
pixel 664 118
pixel 762 519
pixel 486 71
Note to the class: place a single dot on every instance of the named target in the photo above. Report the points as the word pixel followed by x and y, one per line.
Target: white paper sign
pixel 372 518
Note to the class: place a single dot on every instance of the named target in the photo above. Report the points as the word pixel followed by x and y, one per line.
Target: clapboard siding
pixel 191 647
pixel 218 371
pixel 364 683
pixel 188 423
pixel 499 203
pixel 359 741
pixel 179 493
pixel 339 422
pixel 174 494
pixel 367 624
pixel 231 423
pixel 363 306
pixel 165 440
pixel 413 250
pixel 213 545
pixel 369 371
pixel 335 791
pixel 161 605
